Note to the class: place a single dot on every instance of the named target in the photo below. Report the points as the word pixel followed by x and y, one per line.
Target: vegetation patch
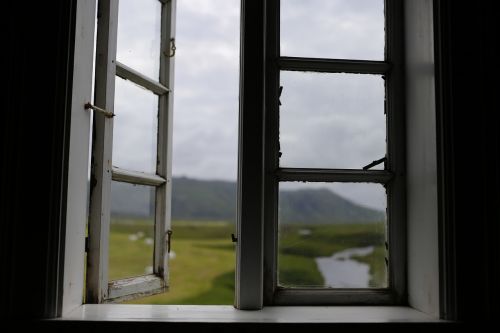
pixel 202 261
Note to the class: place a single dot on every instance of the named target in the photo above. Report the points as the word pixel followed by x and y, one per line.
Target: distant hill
pixel 194 199
pixel 215 200
pixel 323 206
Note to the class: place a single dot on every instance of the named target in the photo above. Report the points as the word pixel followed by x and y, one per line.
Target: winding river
pixel 340 271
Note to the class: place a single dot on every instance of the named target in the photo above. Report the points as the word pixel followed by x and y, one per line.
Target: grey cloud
pixel 331 120
pixel 135 127
pixel 206 89
pixel 139 35
pixel 207 84
pixel 340 29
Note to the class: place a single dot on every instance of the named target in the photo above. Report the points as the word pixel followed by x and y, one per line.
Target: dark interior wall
pixel 468 93
pixel 37 51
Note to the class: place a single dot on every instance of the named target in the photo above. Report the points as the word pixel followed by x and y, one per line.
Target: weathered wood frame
pixel 99 288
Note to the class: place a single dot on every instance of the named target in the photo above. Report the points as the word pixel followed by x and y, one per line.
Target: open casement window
pixel 131 90
pixel 330 98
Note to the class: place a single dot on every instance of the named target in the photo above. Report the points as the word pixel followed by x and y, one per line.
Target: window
pixel 298 89
pixel 296 66
pixel 125 69
pixel 268 80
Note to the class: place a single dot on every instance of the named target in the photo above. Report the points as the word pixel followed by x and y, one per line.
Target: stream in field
pixel 340 271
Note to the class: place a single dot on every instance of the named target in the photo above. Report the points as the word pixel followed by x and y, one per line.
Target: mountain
pixel 215 200
pixel 323 206
pixel 194 199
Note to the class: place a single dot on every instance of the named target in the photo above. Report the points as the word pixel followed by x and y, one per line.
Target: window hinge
pixel 169 238
pixel 86 244
pixel 107 114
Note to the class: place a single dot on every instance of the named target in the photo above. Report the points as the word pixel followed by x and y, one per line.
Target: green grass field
pixel 201 267
pixel 203 261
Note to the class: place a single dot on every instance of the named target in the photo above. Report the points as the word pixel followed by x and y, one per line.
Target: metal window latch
pixel 171 52
pixel 106 114
pixel 375 163
pixel 234 239
pixel 169 238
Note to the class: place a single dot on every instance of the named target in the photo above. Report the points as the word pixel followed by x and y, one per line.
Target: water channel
pixel 341 271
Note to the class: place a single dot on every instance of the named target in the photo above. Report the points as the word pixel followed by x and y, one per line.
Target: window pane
pixel 340 29
pixel 332 120
pixel 135 127
pixel 139 36
pixel 131 240
pixel 332 235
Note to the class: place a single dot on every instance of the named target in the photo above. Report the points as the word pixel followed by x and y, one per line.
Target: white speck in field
pixel 148 241
pixel 148 270
pixel 172 255
pixel 304 232
pixel 132 237
pixel 140 234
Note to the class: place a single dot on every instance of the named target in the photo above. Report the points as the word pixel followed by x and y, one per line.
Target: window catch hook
pixel 375 163
pixel 106 114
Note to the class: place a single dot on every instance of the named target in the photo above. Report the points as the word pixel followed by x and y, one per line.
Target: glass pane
pixel 139 36
pixel 339 29
pixel 332 235
pixel 332 120
pixel 131 236
pixel 135 127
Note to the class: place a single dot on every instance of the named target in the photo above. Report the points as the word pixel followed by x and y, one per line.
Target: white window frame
pixel 422 213
pixel 98 287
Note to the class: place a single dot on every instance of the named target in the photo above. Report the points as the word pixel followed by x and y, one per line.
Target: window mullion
pixel 396 148
pixel 333 175
pixel 333 65
pixel 333 296
pixel 272 150
pixel 135 177
pixel 131 288
pixel 249 250
pixel 100 200
pixel 128 73
pixel 164 140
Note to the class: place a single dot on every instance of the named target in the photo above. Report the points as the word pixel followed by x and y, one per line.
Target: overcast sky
pixel 326 120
